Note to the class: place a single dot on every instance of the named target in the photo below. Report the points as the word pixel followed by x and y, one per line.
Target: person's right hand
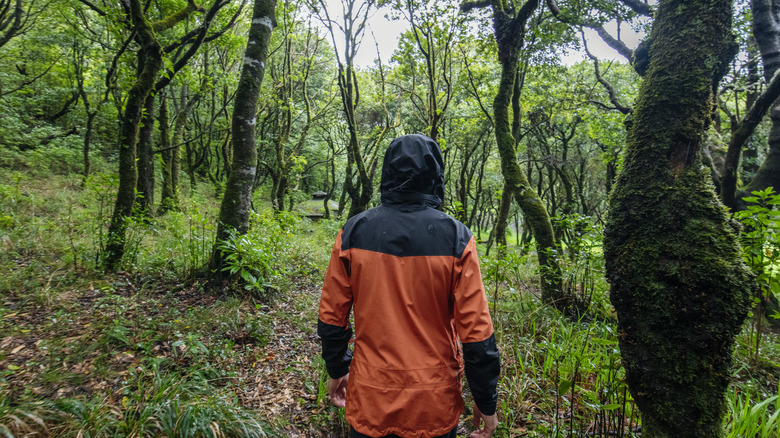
pixel 491 422
pixel 337 390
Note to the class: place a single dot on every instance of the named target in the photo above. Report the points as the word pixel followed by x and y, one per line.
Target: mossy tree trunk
pixel 145 162
pixel 237 202
pixel 510 27
pixel 502 221
pixel 678 282
pixel 168 201
pixel 171 152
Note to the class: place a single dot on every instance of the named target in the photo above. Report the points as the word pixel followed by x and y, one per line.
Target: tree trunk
pixel 86 147
pixel 145 184
pixel 502 220
pixel 360 193
pixel 236 204
pixel 678 283
pixel 168 201
pixel 750 161
pixel 529 202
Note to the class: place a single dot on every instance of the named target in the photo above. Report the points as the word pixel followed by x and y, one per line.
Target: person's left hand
pixel 337 390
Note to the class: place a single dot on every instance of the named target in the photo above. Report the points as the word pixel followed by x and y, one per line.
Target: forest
pixel 174 174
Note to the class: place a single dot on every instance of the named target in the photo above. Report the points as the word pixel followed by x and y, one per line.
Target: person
pixel 412 275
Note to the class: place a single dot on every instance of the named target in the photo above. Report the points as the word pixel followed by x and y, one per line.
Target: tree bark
pixel 237 202
pixel 145 185
pixel 502 220
pixel 168 201
pixel 678 283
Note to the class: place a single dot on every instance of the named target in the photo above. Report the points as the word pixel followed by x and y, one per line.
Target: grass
pixel 151 351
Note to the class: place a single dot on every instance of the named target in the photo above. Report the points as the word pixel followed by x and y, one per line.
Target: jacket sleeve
pixel 335 305
pixel 475 329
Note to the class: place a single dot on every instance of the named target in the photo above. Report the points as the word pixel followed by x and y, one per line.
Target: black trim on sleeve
pixel 483 366
pixel 335 341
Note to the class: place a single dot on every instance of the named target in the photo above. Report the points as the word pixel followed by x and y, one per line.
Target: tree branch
pixel 16 19
pixel 181 62
pixel 639 7
pixel 170 21
pixel 26 83
pixel 742 133
pixel 610 90
pixel 611 41
pixel 467 6
pixel 94 7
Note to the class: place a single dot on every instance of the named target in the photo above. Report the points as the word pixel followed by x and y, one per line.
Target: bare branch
pixel 610 90
pixel 95 8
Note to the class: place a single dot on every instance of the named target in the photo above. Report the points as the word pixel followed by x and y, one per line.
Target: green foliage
pixel 761 249
pixel 748 418
pixel 267 256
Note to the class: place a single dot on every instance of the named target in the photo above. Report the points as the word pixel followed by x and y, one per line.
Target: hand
pixel 337 390
pixel 491 422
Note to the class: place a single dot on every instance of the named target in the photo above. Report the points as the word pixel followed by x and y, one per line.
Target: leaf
pixel 564 387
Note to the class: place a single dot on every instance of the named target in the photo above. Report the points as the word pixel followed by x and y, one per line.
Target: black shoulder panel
pixel 406 232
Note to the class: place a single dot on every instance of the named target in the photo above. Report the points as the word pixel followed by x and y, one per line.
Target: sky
pixel 388 33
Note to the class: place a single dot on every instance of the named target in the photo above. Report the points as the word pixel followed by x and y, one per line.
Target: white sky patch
pixel 598 47
pixel 388 33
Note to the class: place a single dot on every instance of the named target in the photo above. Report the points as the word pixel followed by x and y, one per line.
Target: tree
pixel 15 18
pixel 150 63
pixel 237 203
pixel 435 33
pixel 678 284
pixel 509 24
pixel 766 31
pixel 354 17
pixel 291 72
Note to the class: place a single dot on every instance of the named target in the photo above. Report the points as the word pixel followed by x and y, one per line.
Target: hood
pixel 413 171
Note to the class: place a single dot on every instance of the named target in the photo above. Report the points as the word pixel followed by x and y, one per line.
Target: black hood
pixel 413 171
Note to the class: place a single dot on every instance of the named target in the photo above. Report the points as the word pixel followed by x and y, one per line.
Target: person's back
pixel 412 275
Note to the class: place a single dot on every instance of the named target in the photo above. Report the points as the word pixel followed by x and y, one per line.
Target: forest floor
pixel 85 353
pixel 72 350
pixel 79 348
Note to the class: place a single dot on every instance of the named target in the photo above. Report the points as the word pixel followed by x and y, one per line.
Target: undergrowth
pixel 153 351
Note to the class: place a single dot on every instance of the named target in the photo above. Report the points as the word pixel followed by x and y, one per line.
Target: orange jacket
pixel 411 274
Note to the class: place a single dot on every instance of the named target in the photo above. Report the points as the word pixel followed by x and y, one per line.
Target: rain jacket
pixel 412 275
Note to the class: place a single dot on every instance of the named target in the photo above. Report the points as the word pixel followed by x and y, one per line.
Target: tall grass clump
pixel 561 376
pixel 751 418
pixel 158 404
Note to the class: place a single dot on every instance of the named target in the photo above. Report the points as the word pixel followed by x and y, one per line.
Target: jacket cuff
pixel 335 351
pixel 483 366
